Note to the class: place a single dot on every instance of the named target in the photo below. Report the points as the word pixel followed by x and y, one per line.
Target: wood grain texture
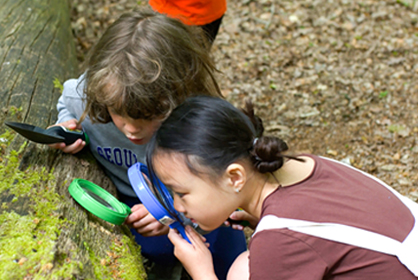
pixel 36 47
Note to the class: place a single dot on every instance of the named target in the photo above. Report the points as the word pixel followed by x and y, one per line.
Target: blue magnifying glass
pixel 139 178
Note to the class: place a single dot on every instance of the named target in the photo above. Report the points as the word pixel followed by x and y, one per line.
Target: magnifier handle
pixel 181 229
pixel 70 136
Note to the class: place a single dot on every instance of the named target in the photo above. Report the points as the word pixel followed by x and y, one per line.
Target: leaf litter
pixel 333 78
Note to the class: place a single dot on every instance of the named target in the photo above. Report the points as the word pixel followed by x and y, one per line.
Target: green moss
pixel 28 235
pixel 58 84
pixel 121 261
pixel 127 258
pixel 27 239
pixel 14 110
pixel 27 248
pixel 100 273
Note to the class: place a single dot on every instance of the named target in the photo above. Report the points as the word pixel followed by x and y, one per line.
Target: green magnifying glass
pixel 98 201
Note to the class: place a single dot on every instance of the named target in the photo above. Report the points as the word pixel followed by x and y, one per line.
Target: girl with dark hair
pixel 314 218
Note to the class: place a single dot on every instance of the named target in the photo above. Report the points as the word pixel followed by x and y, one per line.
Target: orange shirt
pixel 191 12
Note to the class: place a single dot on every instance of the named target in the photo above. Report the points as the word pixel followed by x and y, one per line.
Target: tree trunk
pixel 44 233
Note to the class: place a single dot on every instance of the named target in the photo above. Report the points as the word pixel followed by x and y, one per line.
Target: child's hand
pixel 196 257
pixel 74 147
pixel 242 216
pixel 144 223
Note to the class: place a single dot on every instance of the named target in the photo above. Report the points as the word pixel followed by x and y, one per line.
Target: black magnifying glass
pixel 54 134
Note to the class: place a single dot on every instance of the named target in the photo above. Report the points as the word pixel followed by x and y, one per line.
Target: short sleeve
pixel 278 253
pixel 70 104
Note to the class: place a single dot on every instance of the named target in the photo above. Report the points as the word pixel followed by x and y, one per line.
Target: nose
pixel 131 128
pixel 177 204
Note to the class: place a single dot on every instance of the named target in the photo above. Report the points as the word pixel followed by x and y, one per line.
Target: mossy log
pixel 44 233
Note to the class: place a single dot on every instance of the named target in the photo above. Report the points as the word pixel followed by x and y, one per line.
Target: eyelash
pixel 179 194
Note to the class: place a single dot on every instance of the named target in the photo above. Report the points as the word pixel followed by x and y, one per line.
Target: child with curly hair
pixel 143 66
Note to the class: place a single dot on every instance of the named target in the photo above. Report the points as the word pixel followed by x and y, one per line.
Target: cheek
pixel 118 124
pixel 177 204
pixel 117 121
pixel 208 212
pixel 208 220
pixel 151 128
pixel 156 125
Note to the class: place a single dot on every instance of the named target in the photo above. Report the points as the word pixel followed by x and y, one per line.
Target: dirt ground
pixel 333 78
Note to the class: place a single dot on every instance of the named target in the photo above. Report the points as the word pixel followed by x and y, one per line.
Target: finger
pixel 58 146
pixel 149 230
pixel 238 227
pixel 68 125
pixel 72 147
pixel 238 215
pixel 71 124
pixel 147 225
pixel 153 230
pixel 235 225
pixel 176 238
pixel 203 238
pixel 146 220
pixel 137 214
pixel 136 207
pixel 194 237
pixel 80 147
pixel 74 125
pixel 75 147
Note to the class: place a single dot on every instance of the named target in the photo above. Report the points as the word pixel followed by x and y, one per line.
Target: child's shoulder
pixel 74 87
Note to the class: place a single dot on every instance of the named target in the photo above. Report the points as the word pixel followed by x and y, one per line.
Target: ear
pixel 236 176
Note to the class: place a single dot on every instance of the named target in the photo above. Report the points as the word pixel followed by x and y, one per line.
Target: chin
pixel 208 228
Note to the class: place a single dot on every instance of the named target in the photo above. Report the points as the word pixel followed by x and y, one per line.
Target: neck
pixel 259 186
pixel 293 171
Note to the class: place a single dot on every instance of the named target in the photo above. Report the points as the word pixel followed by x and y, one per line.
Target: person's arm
pixel 195 257
pixel 69 106
pixel 278 254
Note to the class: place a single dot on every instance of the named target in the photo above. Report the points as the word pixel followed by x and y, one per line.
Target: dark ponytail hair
pixel 217 134
pixel 266 153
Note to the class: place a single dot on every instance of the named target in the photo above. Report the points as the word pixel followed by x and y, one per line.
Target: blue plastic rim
pixel 144 193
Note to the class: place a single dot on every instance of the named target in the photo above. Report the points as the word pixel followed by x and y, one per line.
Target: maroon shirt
pixel 333 193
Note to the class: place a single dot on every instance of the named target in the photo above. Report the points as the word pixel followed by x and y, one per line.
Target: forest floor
pixel 334 78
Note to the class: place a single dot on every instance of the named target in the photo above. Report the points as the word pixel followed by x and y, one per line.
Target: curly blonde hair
pixel 146 64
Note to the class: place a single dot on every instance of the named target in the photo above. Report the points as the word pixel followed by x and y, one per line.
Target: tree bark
pixel 44 233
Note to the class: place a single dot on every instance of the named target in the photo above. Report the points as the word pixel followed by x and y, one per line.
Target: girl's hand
pixel 196 257
pixel 74 147
pixel 144 223
pixel 241 215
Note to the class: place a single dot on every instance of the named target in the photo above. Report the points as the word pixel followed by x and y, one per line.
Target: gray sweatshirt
pixel 108 144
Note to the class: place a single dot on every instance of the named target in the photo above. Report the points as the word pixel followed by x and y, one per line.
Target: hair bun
pixel 266 154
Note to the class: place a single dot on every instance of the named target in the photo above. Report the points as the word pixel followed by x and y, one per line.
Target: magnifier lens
pixel 165 192
pixel 99 199
pixel 141 183
pixel 147 182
